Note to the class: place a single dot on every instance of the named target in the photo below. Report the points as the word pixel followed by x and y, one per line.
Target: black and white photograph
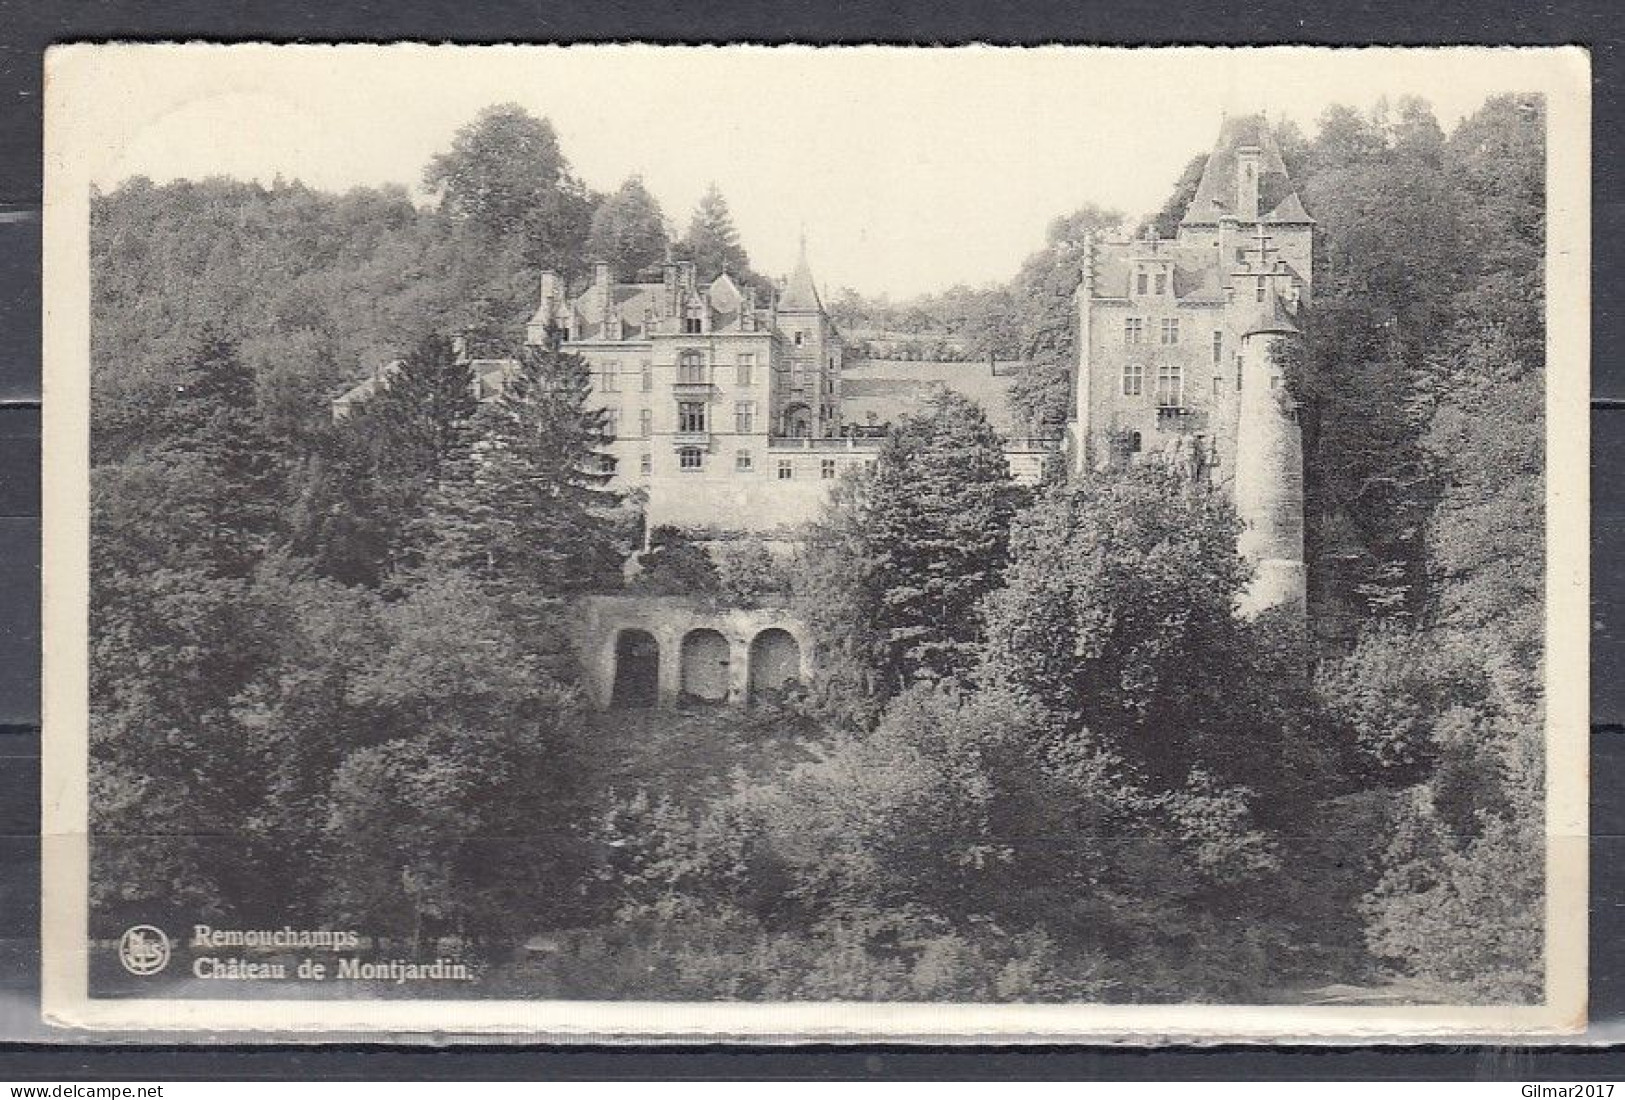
pixel 633 542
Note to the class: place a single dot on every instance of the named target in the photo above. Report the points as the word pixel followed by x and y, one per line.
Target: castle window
pixel 1162 283
pixel 1134 442
pixel 606 464
pixel 745 417
pixel 800 336
pixel 1238 370
pixel 646 423
pixel 826 469
pixel 1139 283
pixel 646 464
pixel 1218 347
pixel 745 370
pixel 691 325
pixel 612 380
pixel 1133 379
pixel 648 376
pixel 1170 386
pixel 1218 384
pixel 1170 330
pixel 691 367
pixel 691 416
pixel 1132 328
pixel 1258 293
pixel 612 423
pixel 787 469
pixel 690 458
pixel 743 462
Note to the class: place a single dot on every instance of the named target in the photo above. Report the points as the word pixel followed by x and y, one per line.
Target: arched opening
pixel 775 661
pixel 637 669
pixel 798 421
pixel 705 666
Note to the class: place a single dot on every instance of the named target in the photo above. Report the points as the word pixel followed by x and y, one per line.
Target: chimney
pixel 550 289
pixel 1248 165
pixel 685 274
pixel 600 274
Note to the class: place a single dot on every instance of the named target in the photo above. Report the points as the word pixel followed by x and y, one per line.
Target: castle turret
pixel 1081 384
pixel 1268 487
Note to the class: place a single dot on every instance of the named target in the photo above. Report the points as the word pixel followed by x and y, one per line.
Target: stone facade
pixel 1178 343
pixel 728 408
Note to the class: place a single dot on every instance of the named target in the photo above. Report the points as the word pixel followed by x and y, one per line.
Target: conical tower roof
pixel 1216 194
pixel 801 295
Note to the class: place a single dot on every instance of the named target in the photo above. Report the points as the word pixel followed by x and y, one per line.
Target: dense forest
pixel 1042 759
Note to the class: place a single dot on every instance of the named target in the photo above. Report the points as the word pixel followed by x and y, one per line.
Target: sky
pixel 909 170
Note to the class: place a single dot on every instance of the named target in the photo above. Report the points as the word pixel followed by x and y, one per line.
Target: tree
pixel 1166 221
pixel 712 242
pixel 523 509
pixel 1117 619
pixel 675 565
pixel 370 481
pixel 462 818
pixel 749 575
pixel 506 178
pixel 628 230
pixel 931 527
pixel 1048 318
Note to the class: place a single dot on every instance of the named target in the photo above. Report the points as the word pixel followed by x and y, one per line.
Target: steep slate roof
pixel 801 296
pixel 893 388
pixel 1216 194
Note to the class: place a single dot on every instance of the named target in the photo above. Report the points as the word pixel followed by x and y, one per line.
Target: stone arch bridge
pixel 650 651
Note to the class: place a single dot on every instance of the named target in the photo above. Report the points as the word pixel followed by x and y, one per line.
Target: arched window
pixel 1133 379
pixel 1133 443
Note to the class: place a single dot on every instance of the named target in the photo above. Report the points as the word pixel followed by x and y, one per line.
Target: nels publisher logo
pixel 144 950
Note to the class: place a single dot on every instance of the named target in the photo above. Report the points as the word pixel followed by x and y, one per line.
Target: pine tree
pixel 214 439
pixel 712 242
pixel 371 480
pixel 523 508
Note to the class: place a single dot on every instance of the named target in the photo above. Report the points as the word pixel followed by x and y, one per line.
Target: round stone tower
pixel 1268 485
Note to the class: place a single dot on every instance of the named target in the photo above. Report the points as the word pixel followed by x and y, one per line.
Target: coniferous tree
pixel 712 242
pixel 523 507
pixel 371 481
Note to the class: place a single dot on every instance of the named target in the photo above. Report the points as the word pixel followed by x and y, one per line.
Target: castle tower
pixel 1268 485
pixel 1179 342
pixel 809 403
